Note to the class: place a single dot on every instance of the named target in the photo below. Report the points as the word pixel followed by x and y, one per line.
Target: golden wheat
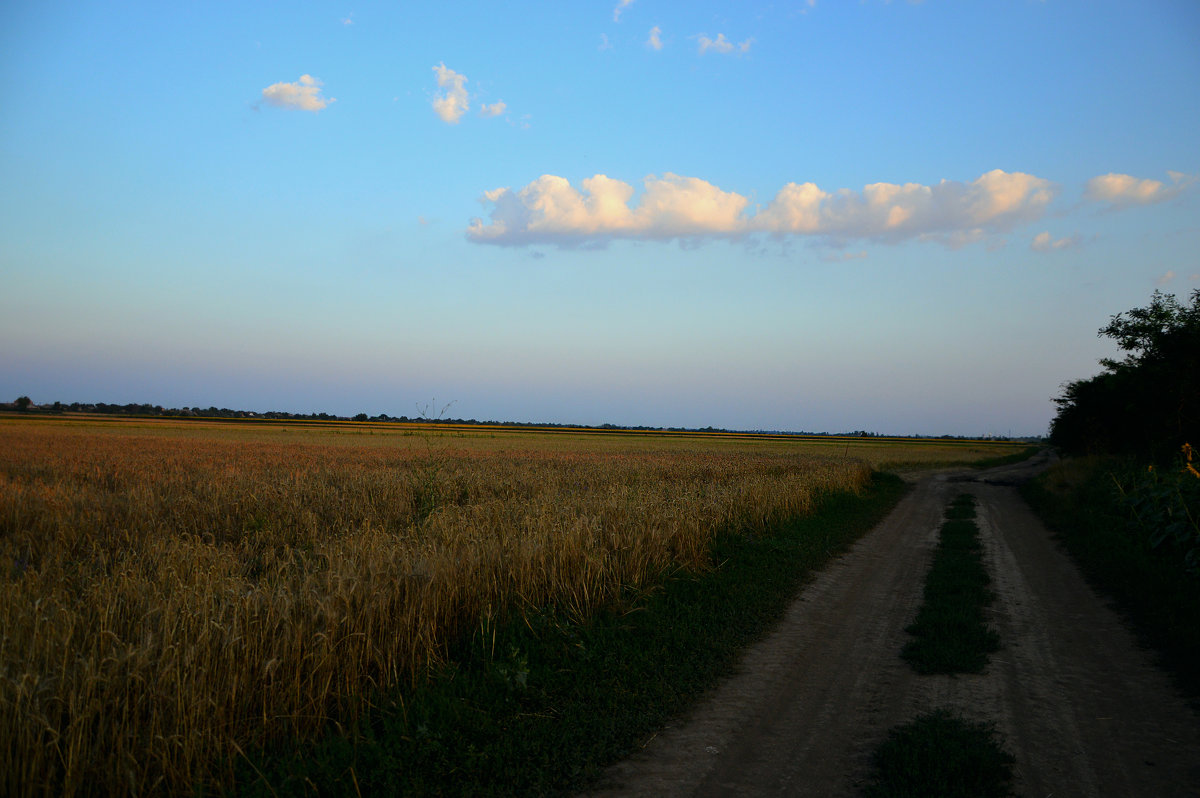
pixel 171 594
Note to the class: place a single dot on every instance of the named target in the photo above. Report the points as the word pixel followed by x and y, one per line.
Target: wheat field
pixel 174 593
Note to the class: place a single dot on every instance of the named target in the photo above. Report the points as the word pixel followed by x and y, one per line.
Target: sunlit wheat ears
pixel 181 599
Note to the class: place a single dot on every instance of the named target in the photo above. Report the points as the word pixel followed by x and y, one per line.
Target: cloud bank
pixel 1124 190
pixel 451 103
pixel 551 211
pixel 303 95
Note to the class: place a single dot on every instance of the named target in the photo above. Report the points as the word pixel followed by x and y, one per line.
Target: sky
pixel 824 215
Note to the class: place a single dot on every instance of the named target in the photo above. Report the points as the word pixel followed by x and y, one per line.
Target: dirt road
pixel 1078 704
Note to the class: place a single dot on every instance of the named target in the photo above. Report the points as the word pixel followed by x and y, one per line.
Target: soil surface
pixel 1079 705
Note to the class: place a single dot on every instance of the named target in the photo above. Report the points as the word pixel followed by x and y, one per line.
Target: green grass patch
pixel 949 633
pixel 961 508
pixel 539 705
pixel 1079 500
pixel 940 754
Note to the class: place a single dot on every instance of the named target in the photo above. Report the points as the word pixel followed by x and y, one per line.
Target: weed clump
pixel 941 754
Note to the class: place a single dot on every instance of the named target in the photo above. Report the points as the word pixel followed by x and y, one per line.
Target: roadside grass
pixel 941 754
pixel 1078 499
pixel 949 633
pixel 538 704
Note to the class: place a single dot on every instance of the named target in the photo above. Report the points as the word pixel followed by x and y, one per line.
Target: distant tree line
pixel 1146 405
pixel 25 405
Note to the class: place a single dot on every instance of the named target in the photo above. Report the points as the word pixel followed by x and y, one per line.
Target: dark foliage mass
pixel 1148 404
pixel 1092 520
pixel 1131 516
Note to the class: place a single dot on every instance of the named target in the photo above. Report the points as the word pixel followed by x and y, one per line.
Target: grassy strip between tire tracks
pixel 940 753
pixel 949 634
pixel 540 705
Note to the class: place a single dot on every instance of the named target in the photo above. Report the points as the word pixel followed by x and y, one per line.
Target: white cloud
pixel 675 206
pixel 953 213
pixel 451 103
pixel 550 210
pixel 655 40
pixel 1122 191
pixel 621 6
pixel 721 44
pixel 303 95
pixel 1166 278
pixel 348 20
pixel 605 44
pixel 1043 242
pixel 495 109
pixel 995 202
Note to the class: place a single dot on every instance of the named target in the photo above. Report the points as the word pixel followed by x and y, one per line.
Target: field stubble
pixel 171 597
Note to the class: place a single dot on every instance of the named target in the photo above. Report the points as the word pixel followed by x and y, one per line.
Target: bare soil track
pixel 1078 703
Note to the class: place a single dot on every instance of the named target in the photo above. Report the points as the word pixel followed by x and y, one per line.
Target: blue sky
pixel 903 217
